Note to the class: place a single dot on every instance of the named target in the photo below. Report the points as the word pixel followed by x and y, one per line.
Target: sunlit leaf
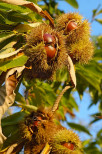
pixel 15 62
pixel 79 128
pixel 17 17
pixel 99 12
pixel 2 19
pixel 73 3
pixel 99 20
pixel 13 119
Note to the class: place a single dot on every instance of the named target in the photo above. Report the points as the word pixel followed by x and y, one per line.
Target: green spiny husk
pixel 43 132
pixel 78 43
pixel 40 135
pixel 65 136
pixel 81 51
pixel 82 32
pixel 30 148
pixel 41 67
pixel 63 20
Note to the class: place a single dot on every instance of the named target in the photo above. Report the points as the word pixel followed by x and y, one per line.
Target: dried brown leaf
pixel 71 71
pixel 7 95
pixel 5 103
pixel 12 79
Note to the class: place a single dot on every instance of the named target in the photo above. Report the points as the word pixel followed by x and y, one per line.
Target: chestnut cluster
pixel 77 36
pixel 48 48
pixel 39 128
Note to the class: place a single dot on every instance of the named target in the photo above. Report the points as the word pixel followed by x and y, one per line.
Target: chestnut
pixel 48 38
pixel 50 51
pixel 71 25
pixel 69 145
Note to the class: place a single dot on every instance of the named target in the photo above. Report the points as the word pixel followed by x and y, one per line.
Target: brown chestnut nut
pixel 50 51
pixel 48 38
pixel 71 26
pixel 69 145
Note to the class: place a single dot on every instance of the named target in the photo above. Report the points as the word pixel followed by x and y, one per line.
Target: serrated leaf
pixel 73 3
pixel 86 142
pixel 19 98
pixel 7 40
pixel 2 19
pixel 8 27
pixel 15 62
pixel 99 12
pixel 73 103
pixel 12 138
pixel 6 6
pixel 33 7
pixel 13 119
pixel 4 35
pixel 17 17
pixel 99 134
pixel 79 128
pixel 94 12
pixel 99 20
pixel 88 76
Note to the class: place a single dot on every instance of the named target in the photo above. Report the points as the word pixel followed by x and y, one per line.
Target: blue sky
pixel 83 116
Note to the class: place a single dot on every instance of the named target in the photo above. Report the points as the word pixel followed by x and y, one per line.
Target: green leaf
pixel 89 75
pixel 9 130
pixel 13 138
pixel 94 12
pixel 13 119
pixel 19 98
pixel 4 35
pixel 8 27
pixel 99 12
pixel 99 20
pixel 27 107
pixel 15 62
pixel 17 17
pixel 7 40
pixel 79 128
pixel 2 19
pixel 99 133
pixel 73 3
pixel 86 142
pixel 6 6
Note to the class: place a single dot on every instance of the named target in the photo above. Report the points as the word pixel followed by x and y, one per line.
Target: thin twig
pixel 56 104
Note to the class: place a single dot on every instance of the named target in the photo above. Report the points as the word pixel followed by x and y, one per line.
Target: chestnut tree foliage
pixel 15 21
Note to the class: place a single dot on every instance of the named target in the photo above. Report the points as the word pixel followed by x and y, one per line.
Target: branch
pixel 56 104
